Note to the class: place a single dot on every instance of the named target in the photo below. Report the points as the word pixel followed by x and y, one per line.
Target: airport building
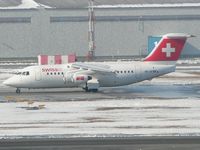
pixel 120 30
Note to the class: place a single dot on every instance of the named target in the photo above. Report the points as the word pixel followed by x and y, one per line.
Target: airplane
pixel 92 75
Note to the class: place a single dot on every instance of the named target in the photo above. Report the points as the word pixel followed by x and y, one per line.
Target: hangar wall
pixel 119 31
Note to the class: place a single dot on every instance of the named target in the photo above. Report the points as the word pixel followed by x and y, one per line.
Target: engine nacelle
pixel 81 78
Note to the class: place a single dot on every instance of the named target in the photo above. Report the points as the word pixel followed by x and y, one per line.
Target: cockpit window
pixel 26 73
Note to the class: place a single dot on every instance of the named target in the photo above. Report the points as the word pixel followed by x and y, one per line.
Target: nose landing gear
pixel 18 91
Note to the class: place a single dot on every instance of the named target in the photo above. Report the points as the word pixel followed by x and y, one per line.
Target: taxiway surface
pixel 165 106
pixel 125 143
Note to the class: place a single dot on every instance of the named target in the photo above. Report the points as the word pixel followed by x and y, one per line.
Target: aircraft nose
pixel 7 82
pixel 10 82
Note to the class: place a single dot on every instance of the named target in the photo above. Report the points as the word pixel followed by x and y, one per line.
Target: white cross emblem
pixel 168 50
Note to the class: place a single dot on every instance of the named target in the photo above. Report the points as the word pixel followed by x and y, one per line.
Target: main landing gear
pixel 90 90
pixel 91 86
pixel 18 91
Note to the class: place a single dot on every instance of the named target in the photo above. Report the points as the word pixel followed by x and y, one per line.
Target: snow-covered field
pixel 168 105
pixel 102 118
pixel 26 4
pixel 166 5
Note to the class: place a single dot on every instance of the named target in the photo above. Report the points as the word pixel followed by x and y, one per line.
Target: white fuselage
pixel 61 76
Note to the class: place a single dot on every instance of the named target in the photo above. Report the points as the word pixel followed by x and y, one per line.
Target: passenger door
pixel 38 75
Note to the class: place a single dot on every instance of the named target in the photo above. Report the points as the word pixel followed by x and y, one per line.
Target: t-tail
pixel 169 49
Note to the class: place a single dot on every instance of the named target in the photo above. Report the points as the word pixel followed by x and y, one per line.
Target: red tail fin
pixel 169 48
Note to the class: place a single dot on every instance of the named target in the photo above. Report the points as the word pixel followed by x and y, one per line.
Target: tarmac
pixel 153 115
pixel 125 143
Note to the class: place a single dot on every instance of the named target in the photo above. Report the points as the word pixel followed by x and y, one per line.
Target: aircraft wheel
pixel 94 90
pixel 18 91
pixel 86 89
pixel 91 90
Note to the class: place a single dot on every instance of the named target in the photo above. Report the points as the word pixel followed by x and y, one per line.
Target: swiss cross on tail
pixel 169 48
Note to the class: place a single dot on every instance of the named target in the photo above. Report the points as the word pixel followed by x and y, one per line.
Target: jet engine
pixel 81 78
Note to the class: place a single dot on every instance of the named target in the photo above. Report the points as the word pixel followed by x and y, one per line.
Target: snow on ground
pixel 132 117
pixel 181 74
pixel 178 78
pixel 149 5
pixel 8 63
pixel 189 61
pixel 168 105
pixel 26 4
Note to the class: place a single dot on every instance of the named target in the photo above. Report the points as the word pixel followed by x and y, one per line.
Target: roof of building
pixel 83 3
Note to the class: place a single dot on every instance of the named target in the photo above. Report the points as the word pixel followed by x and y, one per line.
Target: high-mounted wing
pixel 93 67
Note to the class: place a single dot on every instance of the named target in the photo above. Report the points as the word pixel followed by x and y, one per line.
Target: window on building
pixel 15 19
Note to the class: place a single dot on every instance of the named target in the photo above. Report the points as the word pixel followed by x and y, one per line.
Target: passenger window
pixel 27 73
pixel 121 71
pixel 24 73
pixel 51 73
pixel 58 73
pixel 54 73
pixel 47 73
